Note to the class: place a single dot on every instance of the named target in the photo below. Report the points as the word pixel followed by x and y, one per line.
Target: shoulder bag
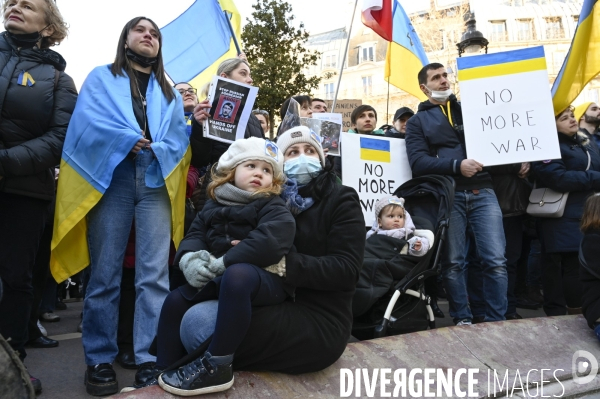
pixel 547 203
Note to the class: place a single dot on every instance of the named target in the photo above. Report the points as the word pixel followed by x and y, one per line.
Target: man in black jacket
pixel 435 144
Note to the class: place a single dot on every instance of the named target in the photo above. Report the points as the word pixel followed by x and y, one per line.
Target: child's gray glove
pixel 216 265
pixel 195 268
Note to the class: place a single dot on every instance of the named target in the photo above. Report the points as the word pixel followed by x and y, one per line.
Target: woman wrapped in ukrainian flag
pixel 124 159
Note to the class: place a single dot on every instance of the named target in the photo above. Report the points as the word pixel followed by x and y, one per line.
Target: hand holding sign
pixel 470 167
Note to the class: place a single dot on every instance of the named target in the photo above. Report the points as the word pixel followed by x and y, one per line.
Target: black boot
pixel 101 380
pixel 146 376
pixel 205 375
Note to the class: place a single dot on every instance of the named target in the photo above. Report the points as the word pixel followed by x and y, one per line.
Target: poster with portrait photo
pixel 331 128
pixel 231 106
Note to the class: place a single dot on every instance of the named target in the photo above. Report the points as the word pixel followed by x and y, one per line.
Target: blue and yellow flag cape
pixel 101 133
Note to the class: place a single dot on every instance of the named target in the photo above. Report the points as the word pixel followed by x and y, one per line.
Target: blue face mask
pixel 302 169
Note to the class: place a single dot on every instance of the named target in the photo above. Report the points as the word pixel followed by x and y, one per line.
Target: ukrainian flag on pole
pixel 196 42
pixel 405 55
pixel 582 63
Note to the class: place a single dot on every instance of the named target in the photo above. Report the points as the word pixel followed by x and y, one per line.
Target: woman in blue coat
pixel 578 173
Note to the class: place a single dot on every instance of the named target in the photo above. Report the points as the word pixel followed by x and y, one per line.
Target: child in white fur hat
pixel 391 219
pixel 231 252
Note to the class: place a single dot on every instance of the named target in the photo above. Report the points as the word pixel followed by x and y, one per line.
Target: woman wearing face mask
pixel 38 98
pixel 129 117
pixel 310 332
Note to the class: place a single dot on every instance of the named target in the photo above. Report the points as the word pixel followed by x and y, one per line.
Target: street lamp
pixel 472 39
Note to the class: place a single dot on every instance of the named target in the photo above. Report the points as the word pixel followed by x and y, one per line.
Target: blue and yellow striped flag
pixel 501 64
pixel 582 63
pixel 405 55
pixel 375 150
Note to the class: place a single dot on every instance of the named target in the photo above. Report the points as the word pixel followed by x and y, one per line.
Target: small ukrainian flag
pixel 25 79
pixel 374 150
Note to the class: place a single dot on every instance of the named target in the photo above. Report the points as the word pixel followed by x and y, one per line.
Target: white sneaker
pixel 42 329
pixel 464 322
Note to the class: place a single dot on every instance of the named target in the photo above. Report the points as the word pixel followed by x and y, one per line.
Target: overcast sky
pixel 95 25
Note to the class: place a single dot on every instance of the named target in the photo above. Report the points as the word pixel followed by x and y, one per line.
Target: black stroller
pixel 384 306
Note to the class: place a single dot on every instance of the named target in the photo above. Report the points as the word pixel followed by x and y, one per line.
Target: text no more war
pixel 514 120
pixel 434 383
pixel 374 183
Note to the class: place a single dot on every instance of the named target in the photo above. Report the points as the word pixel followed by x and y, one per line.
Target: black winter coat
pixel 383 264
pixel 206 151
pixel 264 226
pixel 567 174
pixel 589 273
pixel 311 332
pixel 435 147
pixel 34 119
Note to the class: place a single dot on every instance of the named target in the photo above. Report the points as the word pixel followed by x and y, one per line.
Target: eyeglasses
pixel 260 111
pixel 191 91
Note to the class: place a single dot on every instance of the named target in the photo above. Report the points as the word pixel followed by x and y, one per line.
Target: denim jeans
pixel 198 324
pixel 109 224
pixel 479 213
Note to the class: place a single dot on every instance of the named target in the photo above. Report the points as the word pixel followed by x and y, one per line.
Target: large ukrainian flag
pixel 405 55
pixel 582 63
pixel 192 51
pixel 101 133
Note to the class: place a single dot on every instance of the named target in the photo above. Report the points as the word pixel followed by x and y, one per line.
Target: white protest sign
pixel 507 109
pixel 375 167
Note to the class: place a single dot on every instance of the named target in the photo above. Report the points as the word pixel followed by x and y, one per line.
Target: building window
pixel 366 53
pixel 576 19
pixel 525 29
pixel 498 31
pixel 328 91
pixel 329 61
pixel 367 83
pixel 554 28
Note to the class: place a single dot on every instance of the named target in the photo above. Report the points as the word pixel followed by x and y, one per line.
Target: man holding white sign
pixel 435 144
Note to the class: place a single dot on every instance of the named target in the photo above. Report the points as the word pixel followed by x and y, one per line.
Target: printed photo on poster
pixel 331 128
pixel 231 106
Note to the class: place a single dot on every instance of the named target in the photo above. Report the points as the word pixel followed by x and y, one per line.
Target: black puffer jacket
pixel 34 119
pixel 206 151
pixel 264 226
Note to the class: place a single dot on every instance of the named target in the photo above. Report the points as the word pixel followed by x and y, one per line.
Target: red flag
pixel 377 15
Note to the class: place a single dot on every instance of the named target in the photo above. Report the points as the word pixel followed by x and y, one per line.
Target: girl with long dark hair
pixel 125 149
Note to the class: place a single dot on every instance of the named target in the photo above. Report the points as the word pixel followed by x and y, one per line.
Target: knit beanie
pixel 300 134
pixel 252 148
pixel 385 201
pixel 580 110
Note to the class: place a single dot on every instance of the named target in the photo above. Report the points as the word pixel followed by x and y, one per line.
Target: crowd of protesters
pixel 265 276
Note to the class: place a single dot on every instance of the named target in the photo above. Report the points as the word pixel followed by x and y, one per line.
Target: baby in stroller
pixel 394 246
pixel 392 220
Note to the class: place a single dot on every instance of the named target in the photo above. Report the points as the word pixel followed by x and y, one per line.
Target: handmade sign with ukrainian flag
pixel 507 107
pixel 375 166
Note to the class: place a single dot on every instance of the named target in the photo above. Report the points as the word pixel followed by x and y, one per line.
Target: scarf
pixel 294 202
pixel 230 195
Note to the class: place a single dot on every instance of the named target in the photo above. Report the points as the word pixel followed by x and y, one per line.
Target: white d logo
pixel 580 367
